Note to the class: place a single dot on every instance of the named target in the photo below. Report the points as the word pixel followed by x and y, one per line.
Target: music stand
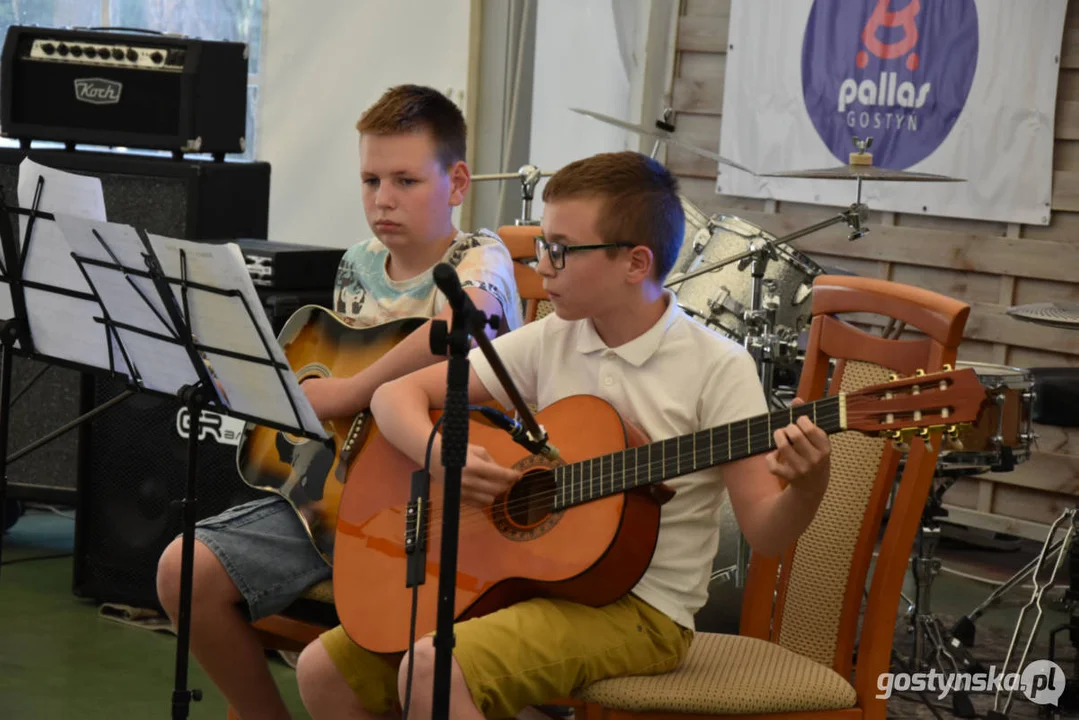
pixel 183 317
pixel 41 288
pixel 174 318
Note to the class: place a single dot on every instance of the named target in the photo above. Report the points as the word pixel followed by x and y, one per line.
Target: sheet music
pixel 218 321
pixel 61 327
pixel 131 300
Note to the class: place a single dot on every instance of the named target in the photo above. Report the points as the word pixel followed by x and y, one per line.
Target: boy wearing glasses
pixel 612 228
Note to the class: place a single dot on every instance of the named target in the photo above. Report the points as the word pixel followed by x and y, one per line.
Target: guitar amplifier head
pixel 123 89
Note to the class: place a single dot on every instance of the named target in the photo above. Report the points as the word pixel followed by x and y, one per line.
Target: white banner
pixel 963 88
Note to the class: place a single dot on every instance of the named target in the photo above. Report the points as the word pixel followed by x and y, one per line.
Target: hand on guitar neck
pixel 802 456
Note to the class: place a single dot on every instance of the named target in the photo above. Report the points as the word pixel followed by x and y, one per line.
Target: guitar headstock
pixel 949 401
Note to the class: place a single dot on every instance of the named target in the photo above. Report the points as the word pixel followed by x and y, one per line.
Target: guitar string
pixel 473 514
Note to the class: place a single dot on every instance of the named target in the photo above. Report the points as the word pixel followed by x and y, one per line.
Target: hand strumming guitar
pixel 482 479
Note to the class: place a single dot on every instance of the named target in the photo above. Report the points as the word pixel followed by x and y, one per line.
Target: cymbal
pixel 1053 314
pixel 661 135
pixel 863 172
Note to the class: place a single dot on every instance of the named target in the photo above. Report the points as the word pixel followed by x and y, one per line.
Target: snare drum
pixel 720 298
pixel 1003 435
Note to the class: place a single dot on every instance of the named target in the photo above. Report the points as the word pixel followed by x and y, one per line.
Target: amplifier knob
pixel 91 52
pixel 157 57
pixel 48 48
pixel 76 51
pixel 103 53
pixel 117 54
pixel 62 49
pixel 132 55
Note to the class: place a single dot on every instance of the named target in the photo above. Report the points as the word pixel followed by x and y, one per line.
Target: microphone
pixel 447 281
pixel 518 432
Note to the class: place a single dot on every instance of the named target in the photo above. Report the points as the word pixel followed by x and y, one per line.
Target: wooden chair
pixel 314 612
pixel 795 652
pixel 521 242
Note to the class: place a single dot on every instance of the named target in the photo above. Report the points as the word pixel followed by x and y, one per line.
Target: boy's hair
pixel 642 205
pixel 414 108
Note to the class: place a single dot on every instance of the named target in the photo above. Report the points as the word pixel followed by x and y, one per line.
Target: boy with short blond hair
pixel 256 559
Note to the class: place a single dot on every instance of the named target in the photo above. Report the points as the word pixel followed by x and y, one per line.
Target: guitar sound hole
pixel 531 500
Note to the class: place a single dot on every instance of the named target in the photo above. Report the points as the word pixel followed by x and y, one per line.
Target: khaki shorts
pixel 530 653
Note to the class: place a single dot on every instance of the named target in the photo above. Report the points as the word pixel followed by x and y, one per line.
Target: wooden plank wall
pixel 990 265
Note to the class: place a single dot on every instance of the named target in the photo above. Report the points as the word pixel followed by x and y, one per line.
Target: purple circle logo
pixel 899 72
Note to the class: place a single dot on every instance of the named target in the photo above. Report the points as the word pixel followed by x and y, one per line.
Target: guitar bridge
pixel 416 530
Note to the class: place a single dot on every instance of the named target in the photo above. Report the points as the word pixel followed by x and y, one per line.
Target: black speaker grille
pixel 133 475
pixel 49 403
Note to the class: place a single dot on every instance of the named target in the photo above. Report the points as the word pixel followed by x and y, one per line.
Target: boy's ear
pixel 641 261
pixel 460 180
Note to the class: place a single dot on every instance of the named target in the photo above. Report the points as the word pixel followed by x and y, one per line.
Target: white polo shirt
pixel 678 377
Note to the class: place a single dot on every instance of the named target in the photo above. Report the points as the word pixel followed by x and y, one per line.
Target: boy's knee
pixel 423 669
pixel 210 580
pixel 168 577
pixel 323 689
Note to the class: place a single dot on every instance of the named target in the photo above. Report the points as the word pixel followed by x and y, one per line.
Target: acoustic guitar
pixel 311 474
pixel 584 528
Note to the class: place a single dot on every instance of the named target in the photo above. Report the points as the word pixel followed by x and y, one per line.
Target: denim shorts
pixel 266 551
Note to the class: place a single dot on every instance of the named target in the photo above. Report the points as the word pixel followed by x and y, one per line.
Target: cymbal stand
pixel 664 123
pixel 530 176
pixel 932 647
pixel 999 711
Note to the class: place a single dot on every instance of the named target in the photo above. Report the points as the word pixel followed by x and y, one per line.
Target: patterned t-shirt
pixel 364 294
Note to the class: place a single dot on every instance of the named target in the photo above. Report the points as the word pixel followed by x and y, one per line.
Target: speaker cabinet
pixel 188 199
pixel 42 403
pixel 132 475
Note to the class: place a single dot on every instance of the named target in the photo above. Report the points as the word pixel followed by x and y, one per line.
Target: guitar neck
pixel 656 462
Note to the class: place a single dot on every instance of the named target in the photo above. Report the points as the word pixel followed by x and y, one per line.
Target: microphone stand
pixel 467 322
pixel 454 455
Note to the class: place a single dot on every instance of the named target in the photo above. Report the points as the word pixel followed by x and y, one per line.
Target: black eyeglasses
pixel 556 251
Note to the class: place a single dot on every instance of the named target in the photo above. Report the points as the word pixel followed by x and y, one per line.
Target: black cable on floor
pixel 36 557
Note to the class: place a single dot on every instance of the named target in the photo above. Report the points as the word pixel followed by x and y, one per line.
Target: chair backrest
pixel 520 240
pixel 810 600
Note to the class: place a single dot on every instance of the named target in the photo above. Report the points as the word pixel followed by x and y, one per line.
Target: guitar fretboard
pixel 636 467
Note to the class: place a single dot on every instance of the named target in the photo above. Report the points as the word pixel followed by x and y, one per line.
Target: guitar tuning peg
pixel 892 377
pixel 919 373
pixel 924 435
pixel 948 367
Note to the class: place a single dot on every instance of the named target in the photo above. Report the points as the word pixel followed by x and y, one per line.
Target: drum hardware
pixel 965 628
pixel 529 175
pixel 932 647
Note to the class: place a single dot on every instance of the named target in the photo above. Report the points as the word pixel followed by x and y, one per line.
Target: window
pixel 237 20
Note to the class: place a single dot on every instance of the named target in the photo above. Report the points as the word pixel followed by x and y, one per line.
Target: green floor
pixel 60 660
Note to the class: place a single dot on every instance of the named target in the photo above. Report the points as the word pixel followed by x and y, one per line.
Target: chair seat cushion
pixel 726 674
pixel 320 592
pixel 315 606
